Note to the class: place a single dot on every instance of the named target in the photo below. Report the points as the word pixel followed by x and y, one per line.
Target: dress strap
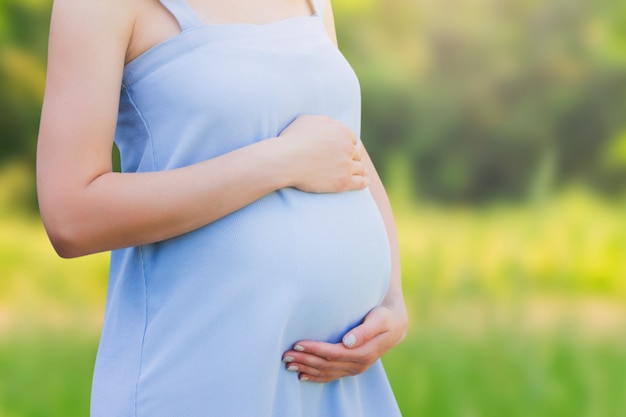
pixel 184 14
pixel 318 5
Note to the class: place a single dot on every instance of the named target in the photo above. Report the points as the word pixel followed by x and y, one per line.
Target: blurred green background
pixel 499 129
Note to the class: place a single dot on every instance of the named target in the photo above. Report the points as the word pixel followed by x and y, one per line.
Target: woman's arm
pixel 383 327
pixel 394 298
pixel 88 208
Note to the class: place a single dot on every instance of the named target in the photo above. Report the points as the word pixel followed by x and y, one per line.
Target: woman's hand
pixel 382 329
pixel 327 157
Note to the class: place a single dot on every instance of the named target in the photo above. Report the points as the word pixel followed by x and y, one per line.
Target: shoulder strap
pixel 318 5
pixel 184 14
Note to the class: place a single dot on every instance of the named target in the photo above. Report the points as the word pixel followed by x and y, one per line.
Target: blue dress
pixel 196 325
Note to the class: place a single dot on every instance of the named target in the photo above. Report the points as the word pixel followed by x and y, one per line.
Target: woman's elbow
pixel 65 240
pixel 64 231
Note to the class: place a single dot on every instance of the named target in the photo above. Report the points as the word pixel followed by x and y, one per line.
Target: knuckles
pixel 344 183
pixel 355 371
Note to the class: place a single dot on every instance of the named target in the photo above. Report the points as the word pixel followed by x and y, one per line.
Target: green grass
pixel 515 311
pixel 571 245
pixel 46 373
pixel 504 370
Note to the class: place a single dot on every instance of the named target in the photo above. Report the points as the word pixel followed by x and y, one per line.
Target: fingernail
pixel 293 368
pixel 349 341
pixel 288 359
pixel 298 348
pixel 304 378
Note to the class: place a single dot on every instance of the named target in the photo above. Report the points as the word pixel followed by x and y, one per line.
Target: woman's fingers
pixel 376 322
pixel 326 155
pixel 314 368
pixel 323 362
pixel 358 168
pixel 319 368
pixel 381 329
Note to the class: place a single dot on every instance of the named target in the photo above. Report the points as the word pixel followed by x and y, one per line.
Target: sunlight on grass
pixel 574 244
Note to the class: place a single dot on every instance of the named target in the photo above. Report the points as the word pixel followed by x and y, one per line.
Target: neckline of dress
pixel 260 25
pixel 219 27
pixel 201 23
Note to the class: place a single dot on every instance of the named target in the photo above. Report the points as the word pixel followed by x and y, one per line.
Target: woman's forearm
pixel 87 209
pixel 117 210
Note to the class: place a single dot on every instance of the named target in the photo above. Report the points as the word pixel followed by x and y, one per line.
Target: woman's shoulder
pixel 131 25
pixel 98 12
pixel 99 22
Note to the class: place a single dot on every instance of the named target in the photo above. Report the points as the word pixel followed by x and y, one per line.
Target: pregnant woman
pixel 255 268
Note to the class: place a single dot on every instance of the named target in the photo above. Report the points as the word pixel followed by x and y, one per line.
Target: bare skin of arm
pixel 87 208
pixel 384 326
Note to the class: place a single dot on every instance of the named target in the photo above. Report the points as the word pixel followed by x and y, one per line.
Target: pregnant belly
pixel 343 259
pixel 297 264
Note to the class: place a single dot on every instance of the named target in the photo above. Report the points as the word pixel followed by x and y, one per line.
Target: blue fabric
pixel 196 326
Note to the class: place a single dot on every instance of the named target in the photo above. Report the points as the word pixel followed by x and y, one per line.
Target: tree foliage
pixel 23 39
pixel 493 98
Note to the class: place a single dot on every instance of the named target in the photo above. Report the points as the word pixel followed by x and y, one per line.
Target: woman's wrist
pixel 394 301
pixel 280 162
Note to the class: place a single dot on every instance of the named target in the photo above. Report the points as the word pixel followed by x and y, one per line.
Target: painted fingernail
pixel 304 378
pixel 298 348
pixel 288 359
pixel 349 341
pixel 293 368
